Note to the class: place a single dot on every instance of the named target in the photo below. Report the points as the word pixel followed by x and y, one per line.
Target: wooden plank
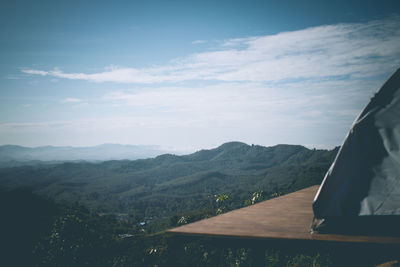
pixel 285 217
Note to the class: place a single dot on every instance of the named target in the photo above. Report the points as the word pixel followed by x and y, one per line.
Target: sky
pixel 189 75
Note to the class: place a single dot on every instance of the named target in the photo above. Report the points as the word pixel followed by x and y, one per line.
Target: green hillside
pixel 131 203
pixel 170 184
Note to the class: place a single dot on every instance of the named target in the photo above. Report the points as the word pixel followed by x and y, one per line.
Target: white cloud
pixel 71 100
pixel 199 42
pixel 356 50
pixel 252 105
pixel 35 72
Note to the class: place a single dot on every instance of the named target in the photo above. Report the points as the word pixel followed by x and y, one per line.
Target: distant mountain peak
pixel 233 144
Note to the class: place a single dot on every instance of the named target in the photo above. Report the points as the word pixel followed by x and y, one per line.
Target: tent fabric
pixel 364 179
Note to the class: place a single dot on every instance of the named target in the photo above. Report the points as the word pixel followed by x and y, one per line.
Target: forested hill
pixel 170 184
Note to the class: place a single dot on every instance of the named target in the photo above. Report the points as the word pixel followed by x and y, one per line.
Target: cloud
pixel 16 127
pixel 35 72
pixel 112 74
pixel 354 50
pixel 71 100
pixel 205 116
pixel 199 42
pixel 301 87
pixel 246 104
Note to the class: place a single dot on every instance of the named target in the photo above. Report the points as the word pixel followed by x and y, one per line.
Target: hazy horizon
pixel 169 149
pixel 191 75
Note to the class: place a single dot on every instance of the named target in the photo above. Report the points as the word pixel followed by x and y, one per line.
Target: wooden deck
pixel 285 217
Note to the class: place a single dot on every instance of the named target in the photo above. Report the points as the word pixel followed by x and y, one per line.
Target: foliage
pixel 221 200
pixel 25 218
pixel 114 213
pixel 75 240
pixel 77 237
pixel 171 185
pixel 256 197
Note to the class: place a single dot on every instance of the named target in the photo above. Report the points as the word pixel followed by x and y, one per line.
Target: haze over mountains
pixel 12 154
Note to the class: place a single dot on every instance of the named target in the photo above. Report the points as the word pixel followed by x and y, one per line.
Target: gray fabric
pixel 365 176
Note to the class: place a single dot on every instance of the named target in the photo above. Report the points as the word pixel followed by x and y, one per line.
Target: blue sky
pixel 187 75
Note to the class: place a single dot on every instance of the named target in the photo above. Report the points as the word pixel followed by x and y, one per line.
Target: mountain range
pixel 170 184
pixel 19 155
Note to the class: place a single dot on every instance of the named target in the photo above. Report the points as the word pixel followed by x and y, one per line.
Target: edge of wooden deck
pixel 286 217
